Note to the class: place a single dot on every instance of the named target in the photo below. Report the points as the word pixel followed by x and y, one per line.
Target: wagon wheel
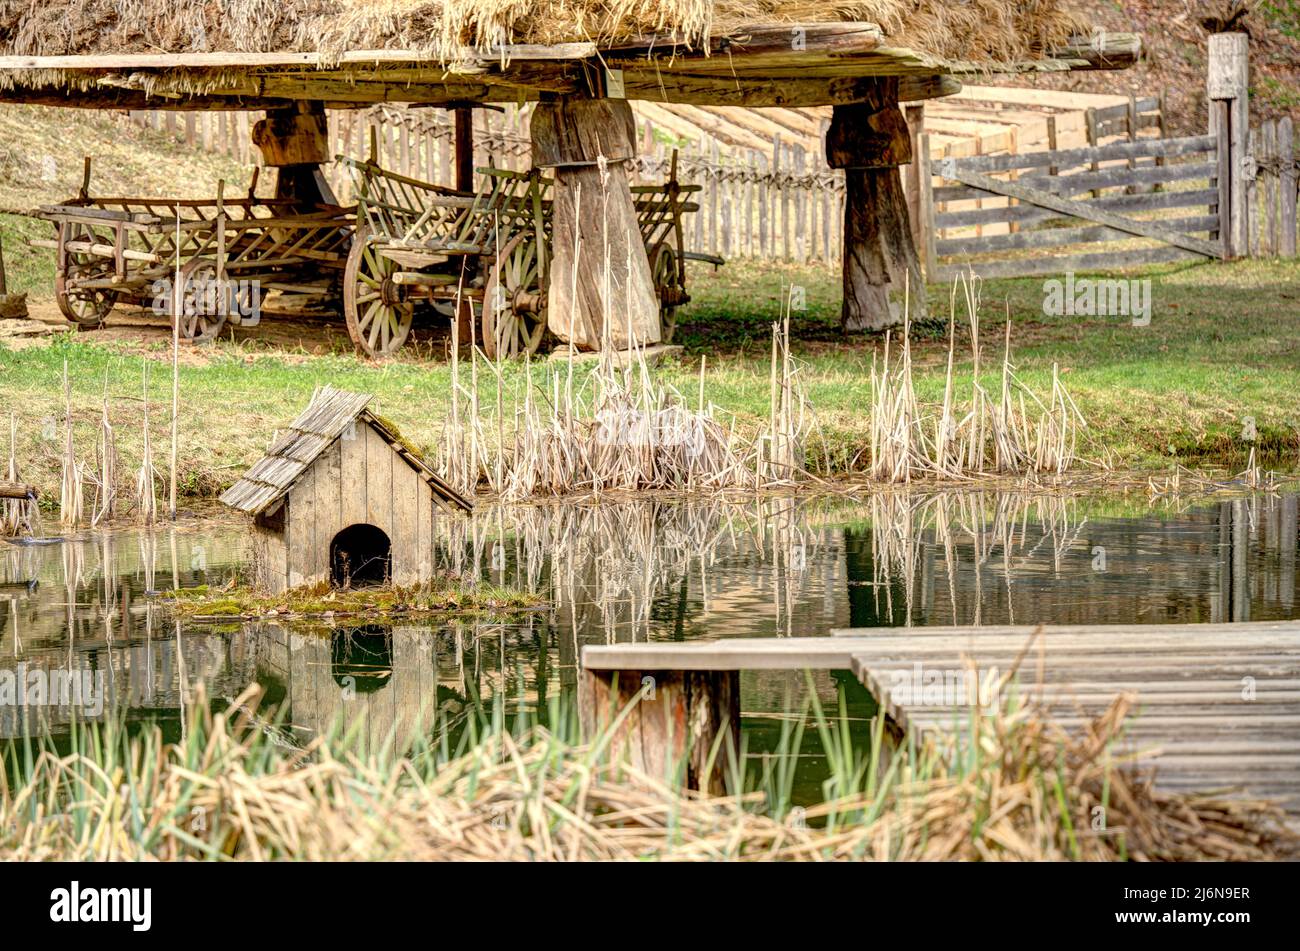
pixel 665 270
pixel 204 304
pixel 377 312
pixel 514 303
pixel 87 307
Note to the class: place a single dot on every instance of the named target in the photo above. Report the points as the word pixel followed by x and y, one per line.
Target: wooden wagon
pixel 112 250
pixel 481 256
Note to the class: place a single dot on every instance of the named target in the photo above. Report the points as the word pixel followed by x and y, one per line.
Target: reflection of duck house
pixel 342 497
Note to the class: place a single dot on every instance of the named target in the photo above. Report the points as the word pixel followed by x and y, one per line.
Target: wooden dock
pixel 1218 705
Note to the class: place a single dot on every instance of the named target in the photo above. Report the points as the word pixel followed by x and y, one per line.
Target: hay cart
pixel 481 256
pixel 112 250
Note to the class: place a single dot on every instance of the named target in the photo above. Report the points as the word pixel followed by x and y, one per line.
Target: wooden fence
pixel 784 203
pixel 1271 189
pixel 1109 206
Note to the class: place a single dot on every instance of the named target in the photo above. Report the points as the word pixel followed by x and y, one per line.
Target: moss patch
pixel 442 596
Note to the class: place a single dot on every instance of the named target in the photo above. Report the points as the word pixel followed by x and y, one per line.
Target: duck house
pixel 341 497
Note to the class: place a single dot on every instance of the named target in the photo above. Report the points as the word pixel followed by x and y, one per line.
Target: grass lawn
pixel 1222 349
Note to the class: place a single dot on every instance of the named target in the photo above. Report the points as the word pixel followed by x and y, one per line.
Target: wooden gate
pixel 1098 208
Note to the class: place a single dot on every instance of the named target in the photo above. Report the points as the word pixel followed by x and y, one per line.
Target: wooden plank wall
pixel 360 480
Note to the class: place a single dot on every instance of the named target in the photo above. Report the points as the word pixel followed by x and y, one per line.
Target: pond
pixel 661 569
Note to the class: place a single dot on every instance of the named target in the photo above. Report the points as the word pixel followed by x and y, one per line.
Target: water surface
pixel 632 571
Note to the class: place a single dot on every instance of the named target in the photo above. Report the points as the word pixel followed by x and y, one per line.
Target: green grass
pixel 1222 347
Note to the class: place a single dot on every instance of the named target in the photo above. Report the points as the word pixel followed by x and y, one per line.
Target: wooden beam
pixel 487 57
pixel 17 490
pixel 916 88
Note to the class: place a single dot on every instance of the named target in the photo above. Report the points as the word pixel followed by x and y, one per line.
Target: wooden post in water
pixel 600 281
pixel 870 140
pixel 670 723
pixel 1227 82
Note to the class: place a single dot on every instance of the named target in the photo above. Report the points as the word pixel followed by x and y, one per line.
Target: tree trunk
pixel 600 282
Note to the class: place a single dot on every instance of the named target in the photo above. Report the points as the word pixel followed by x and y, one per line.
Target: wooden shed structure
pixel 341 497
pixel 581 62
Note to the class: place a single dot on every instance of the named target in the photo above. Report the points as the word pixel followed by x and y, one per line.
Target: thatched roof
pixel 968 30
pixel 325 420
pixel 504 50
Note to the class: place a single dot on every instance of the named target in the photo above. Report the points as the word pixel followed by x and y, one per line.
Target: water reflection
pixel 656 569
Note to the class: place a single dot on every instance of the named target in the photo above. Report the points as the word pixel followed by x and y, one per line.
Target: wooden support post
pixel 601 288
pixel 1228 81
pixel 926 179
pixel 464 144
pixel 295 140
pixel 675 725
pixel 870 140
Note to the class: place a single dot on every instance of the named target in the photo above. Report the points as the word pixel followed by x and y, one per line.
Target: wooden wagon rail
pixel 482 257
pixel 1218 705
pixel 122 249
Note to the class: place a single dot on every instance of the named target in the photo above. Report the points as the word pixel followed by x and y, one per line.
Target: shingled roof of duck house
pixel 340 496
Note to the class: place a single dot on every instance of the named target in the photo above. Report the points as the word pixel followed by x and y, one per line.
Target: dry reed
pixel 146 488
pixel 238 787
pixel 1019 434
pixel 17 516
pixel 72 481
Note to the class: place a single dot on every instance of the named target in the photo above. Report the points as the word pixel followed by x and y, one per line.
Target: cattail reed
pixel 105 505
pixel 1019 434
pixel 71 492
pixel 146 489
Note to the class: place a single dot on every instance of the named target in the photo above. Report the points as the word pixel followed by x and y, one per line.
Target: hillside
pixel 1174 44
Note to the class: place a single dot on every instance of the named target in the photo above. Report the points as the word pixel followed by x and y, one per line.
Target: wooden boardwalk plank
pixel 1218 705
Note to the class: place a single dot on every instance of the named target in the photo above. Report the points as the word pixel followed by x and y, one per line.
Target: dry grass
pixel 238 787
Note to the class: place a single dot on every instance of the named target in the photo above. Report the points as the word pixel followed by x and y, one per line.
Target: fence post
pixel 1090 117
pixel 915 115
pixel 1227 81
pixel 1287 185
pixel 926 181
pixel 1271 167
